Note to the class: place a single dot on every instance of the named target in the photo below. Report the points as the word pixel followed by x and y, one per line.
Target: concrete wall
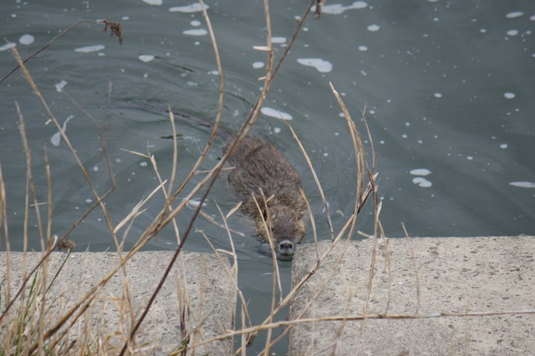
pixel 447 275
pixel 199 287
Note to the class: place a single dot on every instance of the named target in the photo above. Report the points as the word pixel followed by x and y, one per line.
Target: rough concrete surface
pixel 446 275
pixel 199 288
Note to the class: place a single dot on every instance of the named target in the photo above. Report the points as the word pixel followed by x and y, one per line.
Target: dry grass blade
pixel 115 29
pixel 30 187
pixel 312 222
pixel 283 323
pixel 65 139
pixel 415 266
pixel 316 180
pixel 137 208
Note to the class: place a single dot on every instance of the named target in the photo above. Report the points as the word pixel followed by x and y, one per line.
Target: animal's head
pixel 285 227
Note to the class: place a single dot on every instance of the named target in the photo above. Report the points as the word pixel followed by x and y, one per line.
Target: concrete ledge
pixel 199 290
pixel 455 275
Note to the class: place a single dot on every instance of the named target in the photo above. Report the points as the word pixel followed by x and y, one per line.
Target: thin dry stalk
pixel 30 187
pixel 233 272
pixel 276 282
pixel 371 275
pixel 136 210
pixel 115 29
pixel 100 132
pixel 310 303
pixel 72 151
pixel 362 195
pixel 286 300
pixel 214 222
pixel 175 158
pixel 440 315
pixel 415 266
pixel 49 199
pixel 219 110
pixel 316 180
pixel 312 222
pixel 164 217
pixel 388 265
pixel 4 228
pixel 358 149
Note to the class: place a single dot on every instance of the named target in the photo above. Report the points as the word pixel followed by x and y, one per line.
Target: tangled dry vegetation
pixel 35 319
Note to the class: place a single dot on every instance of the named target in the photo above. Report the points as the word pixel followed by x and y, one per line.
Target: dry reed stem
pixel 173 173
pixel 219 110
pixel 415 266
pixel 209 179
pixel 312 222
pixel 115 29
pixel 316 180
pixel 5 230
pixel 67 141
pixel 30 187
pixel 278 324
pixel 361 196
pixel 233 273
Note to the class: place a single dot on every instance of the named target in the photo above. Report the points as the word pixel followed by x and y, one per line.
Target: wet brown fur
pixel 261 172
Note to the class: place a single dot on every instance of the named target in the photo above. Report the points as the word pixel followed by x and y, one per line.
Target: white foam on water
pixel 321 65
pixel 258 65
pixel 420 172
pixel 363 48
pixel 26 39
pixel 60 85
pixel 422 182
pixel 195 32
pixel 503 146
pixel 523 184
pixel 187 9
pixel 7 46
pixel 89 49
pixel 373 28
pixel 437 95
pixel 146 58
pixel 56 138
pixel 514 14
pixel 194 203
pixel 337 9
pixel 195 23
pixel 509 95
pixel 512 32
pixel 278 39
pixel 153 2
pixel 275 113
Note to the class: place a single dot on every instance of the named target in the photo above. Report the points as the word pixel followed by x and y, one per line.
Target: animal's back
pixel 270 190
pixel 259 168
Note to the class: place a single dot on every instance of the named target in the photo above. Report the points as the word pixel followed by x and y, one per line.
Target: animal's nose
pixel 286 248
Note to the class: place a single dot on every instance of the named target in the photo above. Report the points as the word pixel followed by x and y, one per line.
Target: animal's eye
pixel 264 214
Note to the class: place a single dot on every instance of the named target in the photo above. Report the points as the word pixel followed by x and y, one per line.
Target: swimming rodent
pixel 270 190
pixel 269 187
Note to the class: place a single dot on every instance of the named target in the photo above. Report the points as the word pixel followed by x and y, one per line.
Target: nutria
pixel 270 190
pixel 268 185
